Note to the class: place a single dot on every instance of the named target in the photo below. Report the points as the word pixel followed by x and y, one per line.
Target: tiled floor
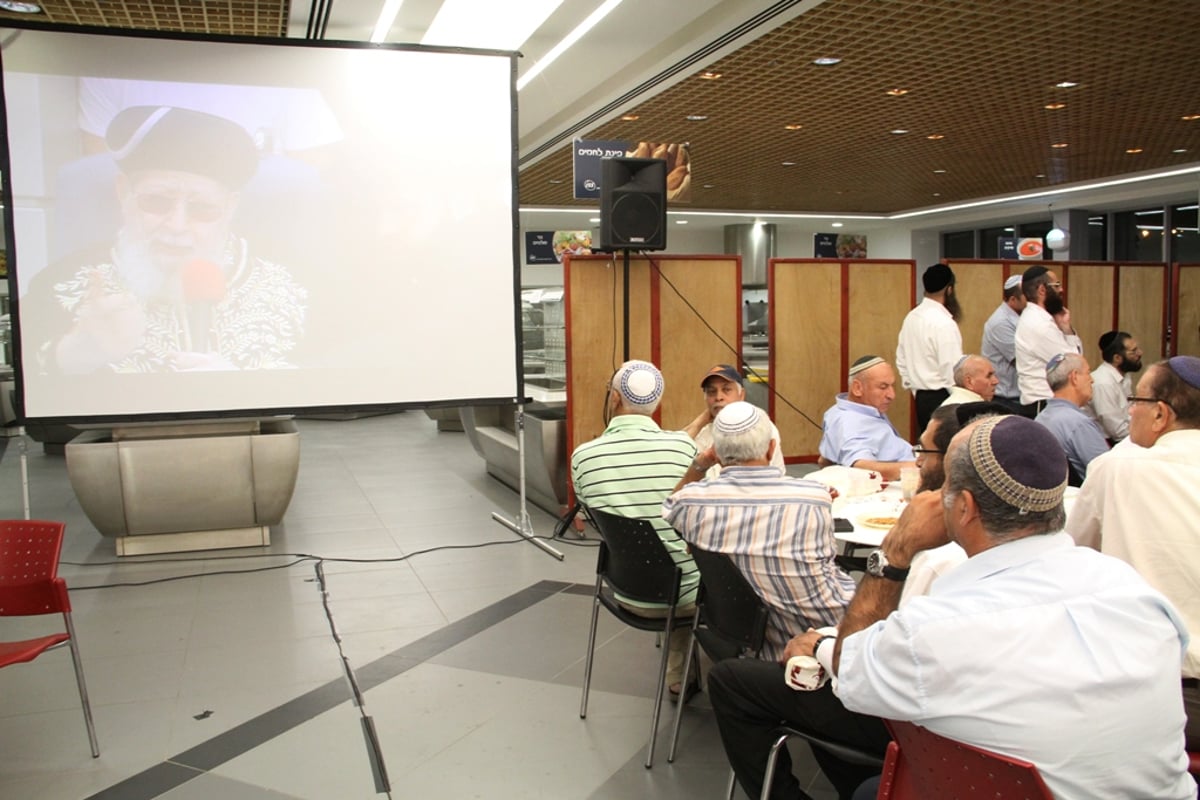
pixel 466 642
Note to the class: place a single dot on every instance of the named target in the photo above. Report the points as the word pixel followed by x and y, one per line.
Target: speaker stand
pixel 625 304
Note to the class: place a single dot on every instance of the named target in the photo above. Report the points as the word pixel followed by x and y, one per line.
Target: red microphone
pixel 203 287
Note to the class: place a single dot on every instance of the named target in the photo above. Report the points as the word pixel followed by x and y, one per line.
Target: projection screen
pixel 209 228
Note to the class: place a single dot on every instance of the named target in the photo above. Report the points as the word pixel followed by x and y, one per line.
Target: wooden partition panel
pixel 1186 317
pixel 1092 299
pixel 663 330
pixel 1141 289
pixel 980 287
pixel 824 315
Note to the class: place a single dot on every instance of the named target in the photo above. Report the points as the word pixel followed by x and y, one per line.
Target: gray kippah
pixel 639 383
pixel 737 418
pixel 1187 368
pixel 864 364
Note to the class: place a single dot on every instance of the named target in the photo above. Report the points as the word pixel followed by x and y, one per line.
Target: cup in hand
pixel 910 479
pixel 804 673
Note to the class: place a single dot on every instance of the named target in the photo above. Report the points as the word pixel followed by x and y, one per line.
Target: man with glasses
pixel 1081 439
pixel 178 290
pixel 1112 383
pixel 1043 331
pixel 1142 505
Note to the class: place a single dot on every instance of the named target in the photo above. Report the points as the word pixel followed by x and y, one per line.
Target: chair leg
pixel 769 774
pixel 83 695
pixel 662 679
pixel 687 674
pixel 591 652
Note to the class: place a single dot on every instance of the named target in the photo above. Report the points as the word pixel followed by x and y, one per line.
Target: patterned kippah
pixel 639 383
pixel 1187 368
pixel 737 418
pixel 864 364
pixel 1020 461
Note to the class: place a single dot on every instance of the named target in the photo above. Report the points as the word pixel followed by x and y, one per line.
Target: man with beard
pixel 930 343
pixel 1043 332
pixel 1112 384
pixel 178 290
pixel 723 385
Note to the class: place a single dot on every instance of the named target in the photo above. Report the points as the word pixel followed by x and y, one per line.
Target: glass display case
pixel 544 338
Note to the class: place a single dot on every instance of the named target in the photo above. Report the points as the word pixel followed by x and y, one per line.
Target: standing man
pixel 930 343
pixel 629 470
pixel 856 430
pixel 974 381
pixel 1027 646
pixel 1043 332
pixel 1112 384
pixel 723 385
pixel 1140 504
pixel 999 341
pixel 1080 437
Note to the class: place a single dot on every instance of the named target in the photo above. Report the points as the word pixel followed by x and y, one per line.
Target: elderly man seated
pixel 1141 504
pixel 856 430
pixel 723 385
pixel 1081 438
pixel 628 470
pixel 777 530
pixel 1033 648
pixel 975 381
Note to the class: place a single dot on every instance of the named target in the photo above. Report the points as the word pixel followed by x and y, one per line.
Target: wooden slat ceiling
pixel 978 75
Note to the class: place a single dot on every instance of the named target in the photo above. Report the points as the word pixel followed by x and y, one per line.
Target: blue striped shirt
pixel 779 532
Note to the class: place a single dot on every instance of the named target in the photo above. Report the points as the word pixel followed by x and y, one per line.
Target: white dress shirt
pixel 1038 340
pixel 1042 651
pixel 1108 405
pixel 1142 505
pixel 999 346
pixel 930 345
pixel 959 395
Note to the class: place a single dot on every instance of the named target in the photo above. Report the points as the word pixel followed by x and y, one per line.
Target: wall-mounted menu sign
pixel 539 247
pixel 839 245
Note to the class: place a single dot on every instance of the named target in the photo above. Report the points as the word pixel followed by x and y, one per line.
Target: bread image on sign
pixel 679 166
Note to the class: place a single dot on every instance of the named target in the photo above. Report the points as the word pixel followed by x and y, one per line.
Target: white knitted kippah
pixel 639 383
pixel 737 418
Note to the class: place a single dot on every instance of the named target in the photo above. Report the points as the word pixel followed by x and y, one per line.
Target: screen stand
pixel 524 529
pixel 24 470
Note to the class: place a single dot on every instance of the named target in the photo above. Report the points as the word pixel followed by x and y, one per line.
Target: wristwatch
pixel 877 565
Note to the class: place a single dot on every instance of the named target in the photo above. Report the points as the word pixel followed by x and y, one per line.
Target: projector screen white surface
pixel 368 260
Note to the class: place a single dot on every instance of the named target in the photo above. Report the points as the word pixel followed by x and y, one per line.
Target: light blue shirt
pixel 853 431
pixel 1043 651
pixel 999 346
pixel 1079 436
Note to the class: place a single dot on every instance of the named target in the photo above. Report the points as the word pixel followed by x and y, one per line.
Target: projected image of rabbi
pixel 178 289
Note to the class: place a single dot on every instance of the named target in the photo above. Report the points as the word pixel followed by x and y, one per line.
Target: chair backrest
pixel 29 582
pixel 921 764
pixel 729 605
pixel 634 560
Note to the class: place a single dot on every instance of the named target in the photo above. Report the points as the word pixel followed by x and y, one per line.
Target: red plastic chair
pixel 29 585
pixel 921 764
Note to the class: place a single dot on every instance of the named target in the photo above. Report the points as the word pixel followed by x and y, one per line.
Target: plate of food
pixel 881 522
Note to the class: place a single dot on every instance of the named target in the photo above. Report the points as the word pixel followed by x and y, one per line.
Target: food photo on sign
pixel 573 243
pixel 1030 249
pixel 679 166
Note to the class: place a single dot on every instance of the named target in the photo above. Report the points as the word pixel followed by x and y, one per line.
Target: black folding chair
pixel 633 563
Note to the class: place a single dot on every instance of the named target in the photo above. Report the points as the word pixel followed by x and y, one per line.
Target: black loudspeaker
pixel 633 204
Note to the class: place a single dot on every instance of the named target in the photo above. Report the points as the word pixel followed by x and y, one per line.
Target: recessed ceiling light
pixel 710 76
pixel 709 186
pixel 792 127
pixel 898 131
pixel 1040 175
pixel 630 118
pixel 1054 106
pixel 789 163
pixel 1010 230
pixel 697 117
pixel 836 224
pixel 681 222
pixel 1059 145
pixel 1133 150
pixel 1179 150
pixel 1190 117
pixel 594 219
pixel 935 136
pixel 1065 85
pixel 937 194
pixel 939 172
pixel 896 92
pixel 20 8
pixel 826 61
pixel 555 180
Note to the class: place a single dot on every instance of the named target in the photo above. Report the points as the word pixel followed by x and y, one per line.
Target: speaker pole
pixel 625 306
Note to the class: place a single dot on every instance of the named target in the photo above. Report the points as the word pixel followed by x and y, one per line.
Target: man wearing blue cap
pixel 999 342
pixel 1142 505
pixel 723 385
